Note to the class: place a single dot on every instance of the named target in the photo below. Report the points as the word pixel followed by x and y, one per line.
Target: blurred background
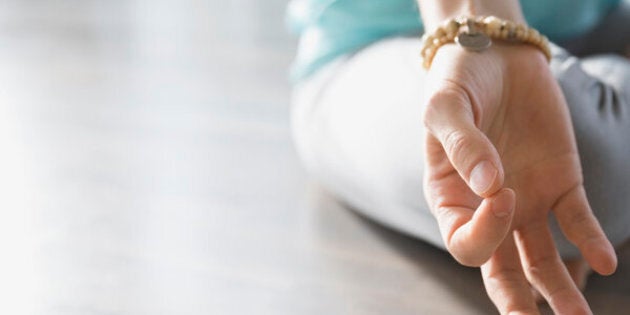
pixel 146 167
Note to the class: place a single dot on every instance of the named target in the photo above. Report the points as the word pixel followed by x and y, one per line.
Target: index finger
pixel 472 236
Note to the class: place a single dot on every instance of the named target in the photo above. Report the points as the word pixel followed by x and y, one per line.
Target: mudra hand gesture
pixel 501 157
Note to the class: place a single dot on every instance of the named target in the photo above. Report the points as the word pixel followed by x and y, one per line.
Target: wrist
pixel 434 12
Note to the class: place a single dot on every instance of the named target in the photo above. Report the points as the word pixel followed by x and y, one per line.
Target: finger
pixel 578 270
pixel 449 117
pixel 506 283
pixel 580 226
pixel 537 296
pixel 546 272
pixel 473 236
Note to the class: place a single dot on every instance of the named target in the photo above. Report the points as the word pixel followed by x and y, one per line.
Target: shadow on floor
pixel 606 295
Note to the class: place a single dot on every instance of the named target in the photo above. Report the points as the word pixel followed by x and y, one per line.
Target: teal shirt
pixel 331 28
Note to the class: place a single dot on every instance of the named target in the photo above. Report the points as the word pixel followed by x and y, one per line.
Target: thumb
pixel 449 118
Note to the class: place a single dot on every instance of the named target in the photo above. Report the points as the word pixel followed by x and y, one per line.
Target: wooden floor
pixel 147 168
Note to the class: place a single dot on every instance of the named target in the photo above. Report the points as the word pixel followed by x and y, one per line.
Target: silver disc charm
pixel 473 41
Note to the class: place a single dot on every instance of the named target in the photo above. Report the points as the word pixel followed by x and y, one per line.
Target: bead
pixel 529 34
pixel 462 20
pixel 428 51
pixel 493 25
pixel 545 41
pixel 439 32
pixel 536 38
pixel 534 35
pixel 511 30
pixel 451 29
pixel 503 30
pixel 520 32
pixel 428 39
pixel 423 39
pixel 426 64
pixel 428 58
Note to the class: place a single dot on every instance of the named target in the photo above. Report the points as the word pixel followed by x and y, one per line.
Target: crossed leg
pixel 358 128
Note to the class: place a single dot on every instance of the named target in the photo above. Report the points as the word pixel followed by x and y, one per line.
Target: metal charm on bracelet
pixel 471 38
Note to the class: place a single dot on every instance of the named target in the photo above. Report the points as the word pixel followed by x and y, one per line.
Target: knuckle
pixel 443 102
pixel 585 228
pixel 457 145
pixel 511 280
pixel 510 277
pixel 538 268
pixel 591 239
pixel 534 273
pixel 568 293
pixel 580 219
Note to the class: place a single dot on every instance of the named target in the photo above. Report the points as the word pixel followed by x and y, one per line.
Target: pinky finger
pixel 580 226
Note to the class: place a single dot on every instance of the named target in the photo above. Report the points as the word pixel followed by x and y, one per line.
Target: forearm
pixel 436 11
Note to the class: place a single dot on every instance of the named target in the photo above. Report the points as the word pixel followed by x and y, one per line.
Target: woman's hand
pixel 501 155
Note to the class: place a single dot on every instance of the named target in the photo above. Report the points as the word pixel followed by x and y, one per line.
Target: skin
pixel 503 109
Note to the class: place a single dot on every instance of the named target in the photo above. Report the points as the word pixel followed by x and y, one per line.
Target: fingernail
pixel 482 177
pixel 503 205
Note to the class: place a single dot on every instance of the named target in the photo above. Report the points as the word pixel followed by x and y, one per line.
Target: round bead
pixel 425 50
pixel 439 32
pixel 538 38
pixel 520 32
pixel 423 39
pixel 529 37
pixel 426 64
pixel 451 28
pixel 428 51
pixel 504 33
pixel 545 41
pixel 511 30
pixel 492 26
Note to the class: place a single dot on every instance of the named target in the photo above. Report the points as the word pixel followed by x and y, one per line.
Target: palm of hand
pixel 509 95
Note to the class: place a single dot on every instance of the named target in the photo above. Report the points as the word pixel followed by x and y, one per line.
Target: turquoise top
pixel 331 28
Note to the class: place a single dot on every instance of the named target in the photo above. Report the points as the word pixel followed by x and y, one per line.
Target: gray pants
pixel 358 129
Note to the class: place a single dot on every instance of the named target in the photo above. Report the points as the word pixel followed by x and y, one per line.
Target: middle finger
pixel 505 282
pixel 546 272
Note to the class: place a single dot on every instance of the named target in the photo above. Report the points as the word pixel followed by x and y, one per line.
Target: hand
pixel 498 119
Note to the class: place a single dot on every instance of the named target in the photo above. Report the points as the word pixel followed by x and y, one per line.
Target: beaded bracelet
pixel 476 34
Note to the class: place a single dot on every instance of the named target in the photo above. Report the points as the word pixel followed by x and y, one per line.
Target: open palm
pixel 495 120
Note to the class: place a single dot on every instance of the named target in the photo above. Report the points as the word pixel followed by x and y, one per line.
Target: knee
pixel 598 95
